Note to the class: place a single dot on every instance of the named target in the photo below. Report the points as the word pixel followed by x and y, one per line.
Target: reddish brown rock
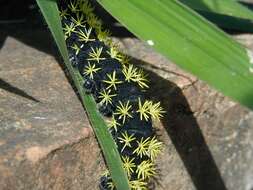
pixel 45 138
pixel 207 136
pixel 46 141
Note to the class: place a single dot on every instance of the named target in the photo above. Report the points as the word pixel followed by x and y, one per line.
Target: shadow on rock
pixel 12 89
pixel 184 132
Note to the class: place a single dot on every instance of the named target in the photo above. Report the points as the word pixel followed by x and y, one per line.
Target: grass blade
pixel 227 14
pixel 51 14
pixel 191 42
pixel 223 7
pixel 228 22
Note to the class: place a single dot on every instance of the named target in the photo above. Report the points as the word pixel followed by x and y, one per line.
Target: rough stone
pixel 45 138
pixel 206 135
pixel 46 141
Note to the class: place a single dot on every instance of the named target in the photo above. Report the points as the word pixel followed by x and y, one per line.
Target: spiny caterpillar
pixel 118 88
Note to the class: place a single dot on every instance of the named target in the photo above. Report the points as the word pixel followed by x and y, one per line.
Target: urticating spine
pixel 117 87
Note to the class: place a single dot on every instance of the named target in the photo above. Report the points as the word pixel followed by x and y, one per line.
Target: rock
pixel 45 138
pixel 207 136
pixel 46 141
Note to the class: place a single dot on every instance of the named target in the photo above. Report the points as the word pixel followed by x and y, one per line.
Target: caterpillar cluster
pixel 117 87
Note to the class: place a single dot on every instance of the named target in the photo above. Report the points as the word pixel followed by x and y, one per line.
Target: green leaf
pixel 228 14
pixel 228 22
pixel 191 42
pixel 224 7
pixel 51 14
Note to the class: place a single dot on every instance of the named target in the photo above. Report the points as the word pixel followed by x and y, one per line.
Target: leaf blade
pixel 51 14
pixel 224 7
pixel 228 14
pixel 228 22
pixel 197 45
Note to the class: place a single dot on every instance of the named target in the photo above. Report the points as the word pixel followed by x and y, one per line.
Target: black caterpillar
pixel 117 87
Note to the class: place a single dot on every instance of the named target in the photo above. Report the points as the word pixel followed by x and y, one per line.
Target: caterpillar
pixel 118 88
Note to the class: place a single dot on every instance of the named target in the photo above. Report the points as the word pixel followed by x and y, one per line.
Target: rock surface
pixel 45 138
pixel 46 142
pixel 207 136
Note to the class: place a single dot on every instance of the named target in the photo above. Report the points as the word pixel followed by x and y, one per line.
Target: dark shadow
pixel 110 22
pixel 25 24
pixel 12 89
pixel 3 36
pixel 185 133
pixel 33 30
pixel 28 12
pixel 248 5
pixel 197 4
pixel 36 38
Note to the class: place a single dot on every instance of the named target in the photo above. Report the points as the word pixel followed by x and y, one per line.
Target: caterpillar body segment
pixel 118 88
